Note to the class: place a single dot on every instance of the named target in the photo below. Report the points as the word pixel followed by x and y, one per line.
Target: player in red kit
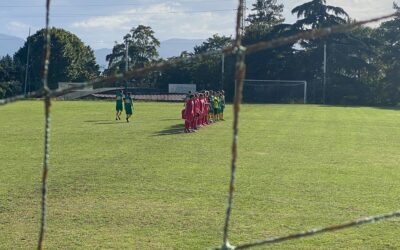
pixel 196 111
pixel 200 122
pixel 189 114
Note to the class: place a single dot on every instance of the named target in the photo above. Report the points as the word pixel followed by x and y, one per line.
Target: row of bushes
pixel 8 89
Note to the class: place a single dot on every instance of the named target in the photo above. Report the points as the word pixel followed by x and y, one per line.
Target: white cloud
pixel 128 16
pixel 107 22
pixel 167 20
pixel 358 9
pixel 15 25
pixel 17 28
pixel 172 19
pixel 364 9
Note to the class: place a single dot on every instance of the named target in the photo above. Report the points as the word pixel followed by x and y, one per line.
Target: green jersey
pixel 215 102
pixel 128 100
pixel 128 104
pixel 210 104
pixel 210 99
pixel 118 97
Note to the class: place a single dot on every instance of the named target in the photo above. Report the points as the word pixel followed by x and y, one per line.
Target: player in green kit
pixel 118 107
pixel 211 108
pixel 221 105
pixel 128 106
pixel 215 105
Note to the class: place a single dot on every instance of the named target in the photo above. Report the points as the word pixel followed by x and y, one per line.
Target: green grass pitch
pixel 145 185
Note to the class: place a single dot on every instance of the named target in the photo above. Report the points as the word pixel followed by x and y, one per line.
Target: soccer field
pixel 147 185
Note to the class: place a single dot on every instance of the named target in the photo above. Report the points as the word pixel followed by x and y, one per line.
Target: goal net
pixel 274 91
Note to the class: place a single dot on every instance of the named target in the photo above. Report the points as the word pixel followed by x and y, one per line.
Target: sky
pixel 99 23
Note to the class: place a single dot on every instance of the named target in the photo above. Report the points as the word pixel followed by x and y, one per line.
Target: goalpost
pixel 275 91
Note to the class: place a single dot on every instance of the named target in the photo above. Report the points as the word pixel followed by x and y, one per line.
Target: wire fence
pixel 240 52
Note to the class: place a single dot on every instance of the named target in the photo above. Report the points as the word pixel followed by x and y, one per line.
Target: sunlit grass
pixel 146 185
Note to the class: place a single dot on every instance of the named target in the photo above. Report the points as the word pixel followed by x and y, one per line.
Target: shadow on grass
pixel 359 106
pixel 96 121
pixel 173 130
pixel 388 108
pixel 108 123
pixel 170 119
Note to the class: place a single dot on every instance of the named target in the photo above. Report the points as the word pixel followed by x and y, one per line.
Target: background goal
pixel 274 91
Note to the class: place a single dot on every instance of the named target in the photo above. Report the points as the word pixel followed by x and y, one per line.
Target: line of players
pixel 203 108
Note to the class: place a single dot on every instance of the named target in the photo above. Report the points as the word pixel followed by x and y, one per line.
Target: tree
pixel 352 69
pixel 389 36
pixel 206 72
pixel 270 63
pixel 267 13
pixel 266 23
pixel 116 60
pixel 9 86
pixel 180 73
pixel 213 43
pixel 142 49
pixel 211 64
pixel 8 69
pixel 142 46
pixel 316 14
pixel 70 59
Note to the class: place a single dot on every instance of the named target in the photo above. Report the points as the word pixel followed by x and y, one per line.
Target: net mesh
pixel 240 53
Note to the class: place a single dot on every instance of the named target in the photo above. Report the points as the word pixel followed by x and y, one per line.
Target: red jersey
pixel 189 109
pixel 196 106
pixel 201 105
pixel 206 104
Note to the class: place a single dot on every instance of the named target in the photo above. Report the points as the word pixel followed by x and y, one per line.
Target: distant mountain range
pixel 168 48
pixel 10 44
pixel 174 47
pixel 100 55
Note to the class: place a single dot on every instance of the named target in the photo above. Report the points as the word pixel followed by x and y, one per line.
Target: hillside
pixel 174 47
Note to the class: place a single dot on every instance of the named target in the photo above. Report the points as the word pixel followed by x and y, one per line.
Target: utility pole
pixel 27 62
pixel 126 56
pixel 243 20
pixel 324 83
pixel 126 61
pixel 222 70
